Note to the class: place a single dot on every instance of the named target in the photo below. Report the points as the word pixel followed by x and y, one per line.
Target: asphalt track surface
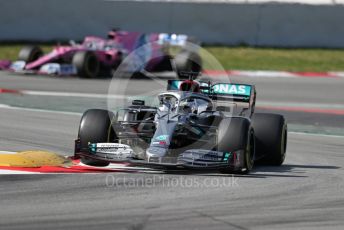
pixel 305 193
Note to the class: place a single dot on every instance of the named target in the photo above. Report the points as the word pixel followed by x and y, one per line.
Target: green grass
pixel 11 51
pixel 242 58
pixel 246 58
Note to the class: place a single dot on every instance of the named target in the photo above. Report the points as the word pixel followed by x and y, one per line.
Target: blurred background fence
pixel 294 23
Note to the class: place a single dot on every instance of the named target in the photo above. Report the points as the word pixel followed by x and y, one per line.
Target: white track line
pixel 315 134
pixel 4 106
pixel 300 104
pixel 14 172
pixel 265 74
pixel 70 94
pixel 7 152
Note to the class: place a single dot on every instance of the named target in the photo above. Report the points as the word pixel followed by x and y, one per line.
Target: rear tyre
pixel 86 64
pixel 30 53
pixel 237 134
pixel 271 137
pixel 186 61
pixel 95 127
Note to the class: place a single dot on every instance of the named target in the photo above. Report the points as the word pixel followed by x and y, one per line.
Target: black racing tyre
pixel 86 64
pixel 271 137
pixel 237 134
pixel 95 127
pixel 30 53
pixel 186 61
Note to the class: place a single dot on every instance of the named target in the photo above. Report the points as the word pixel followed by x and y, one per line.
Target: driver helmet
pixel 190 86
pixel 112 33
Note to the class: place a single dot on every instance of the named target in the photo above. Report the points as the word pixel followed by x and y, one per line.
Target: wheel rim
pixel 284 143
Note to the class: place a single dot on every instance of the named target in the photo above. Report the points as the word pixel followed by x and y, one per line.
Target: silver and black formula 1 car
pixel 197 125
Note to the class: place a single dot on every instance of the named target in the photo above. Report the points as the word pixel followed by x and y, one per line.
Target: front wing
pixel 189 159
pixel 49 68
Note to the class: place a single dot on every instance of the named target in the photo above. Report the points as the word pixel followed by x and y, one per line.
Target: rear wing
pixel 232 92
pixel 228 97
pixel 221 91
pixel 238 99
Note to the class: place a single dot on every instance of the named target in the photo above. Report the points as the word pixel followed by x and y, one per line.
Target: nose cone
pixel 156 152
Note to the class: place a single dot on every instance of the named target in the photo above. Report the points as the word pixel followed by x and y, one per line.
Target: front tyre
pixel 30 53
pixel 95 127
pixel 271 137
pixel 86 64
pixel 236 135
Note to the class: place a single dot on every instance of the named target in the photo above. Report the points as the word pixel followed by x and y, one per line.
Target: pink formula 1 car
pixel 96 56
